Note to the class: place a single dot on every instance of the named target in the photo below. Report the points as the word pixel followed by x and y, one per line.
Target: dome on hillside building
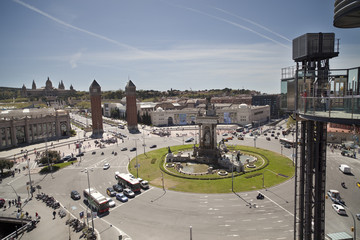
pixel 243 105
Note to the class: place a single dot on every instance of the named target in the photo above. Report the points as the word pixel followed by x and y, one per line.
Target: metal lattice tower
pixel 313 51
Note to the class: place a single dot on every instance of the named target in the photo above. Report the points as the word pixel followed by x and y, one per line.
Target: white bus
pixel 128 181
pixel 248 126
pixel 285 141
pixel 96 200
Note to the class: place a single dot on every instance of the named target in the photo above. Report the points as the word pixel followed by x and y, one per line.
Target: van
pixel 345 168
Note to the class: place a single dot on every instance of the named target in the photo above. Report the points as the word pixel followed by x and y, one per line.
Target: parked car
pixel 358 216
pixel 144 184
pixel 189 140
pixel 80 154
pixel 117 188
pixel 153 146
pixel 339 209
pixel 128 193
pixel 106 166
pixel 93 153
pixel 110 191
pixel 267 138
pixel 124 149
pixel 75 195
pixel 121 197
pixel 133 149
pixel 66 158
pixel 287 145
pixel 111 202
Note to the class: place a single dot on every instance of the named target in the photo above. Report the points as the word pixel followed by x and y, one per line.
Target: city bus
pixel 285 141
pixel 128 181
pixel 248 126
pixel 96 201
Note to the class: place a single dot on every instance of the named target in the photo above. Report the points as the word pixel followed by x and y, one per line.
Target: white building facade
pixel 241 114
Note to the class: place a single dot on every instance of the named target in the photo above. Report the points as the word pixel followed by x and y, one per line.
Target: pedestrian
pixel 9 203
pixel 27 215
pixel 36 215
pixel 54 214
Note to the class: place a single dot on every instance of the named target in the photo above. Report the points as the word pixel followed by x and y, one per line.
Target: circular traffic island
pixel 258 168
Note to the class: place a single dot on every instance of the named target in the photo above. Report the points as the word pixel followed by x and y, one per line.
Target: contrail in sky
pixel 229 22
pixel 252 22
pixel 86 31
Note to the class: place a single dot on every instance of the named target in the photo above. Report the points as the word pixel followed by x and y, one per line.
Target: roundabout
pixel 270 169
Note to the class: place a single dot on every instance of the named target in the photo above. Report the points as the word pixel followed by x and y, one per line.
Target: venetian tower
pixel 96 112
pixel 131 110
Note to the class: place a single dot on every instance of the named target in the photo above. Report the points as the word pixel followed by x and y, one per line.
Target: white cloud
pixel 74 59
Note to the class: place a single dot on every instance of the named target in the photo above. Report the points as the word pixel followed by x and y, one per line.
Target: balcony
pixel 343 110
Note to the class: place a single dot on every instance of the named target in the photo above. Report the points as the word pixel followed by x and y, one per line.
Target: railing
pixel 346 107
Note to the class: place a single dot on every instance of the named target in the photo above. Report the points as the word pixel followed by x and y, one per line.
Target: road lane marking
pixel 277 204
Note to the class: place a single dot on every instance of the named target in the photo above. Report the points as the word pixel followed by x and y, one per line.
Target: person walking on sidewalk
pixel 54 214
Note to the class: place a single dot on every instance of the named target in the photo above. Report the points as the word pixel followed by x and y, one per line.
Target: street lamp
pixel 255 141
pixel 137 165
pixel 352 215
pixel 92 218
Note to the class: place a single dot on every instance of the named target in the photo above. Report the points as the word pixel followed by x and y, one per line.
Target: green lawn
pixel 150 170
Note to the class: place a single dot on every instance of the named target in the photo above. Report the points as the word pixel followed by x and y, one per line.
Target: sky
pixel 161 44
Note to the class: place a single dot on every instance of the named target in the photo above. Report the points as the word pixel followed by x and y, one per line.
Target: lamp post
pixel 352 215
pixel 28 160
pixel 92 218
pixel 137 165
pixel 255 141
pixel 232 172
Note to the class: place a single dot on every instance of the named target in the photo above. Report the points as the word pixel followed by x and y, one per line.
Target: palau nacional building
pixel 28 126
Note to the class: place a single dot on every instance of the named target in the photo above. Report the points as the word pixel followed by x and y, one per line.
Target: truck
pixel 334 195
pixel 345 168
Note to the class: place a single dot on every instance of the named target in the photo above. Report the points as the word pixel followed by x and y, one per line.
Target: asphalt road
pixel 158 214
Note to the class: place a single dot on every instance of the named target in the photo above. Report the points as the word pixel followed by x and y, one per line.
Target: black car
pixel 124 149
pixel 117 188
pixel 75 195
pixel 80 154
pixel 153 146
pixel 110 191
pixel 93 153
pixel 133 149
pixel 66 158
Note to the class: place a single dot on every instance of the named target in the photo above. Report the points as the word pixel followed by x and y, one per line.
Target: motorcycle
pixel 260 196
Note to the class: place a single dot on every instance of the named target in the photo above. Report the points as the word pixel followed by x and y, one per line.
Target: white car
pixel 111 202
pixel 339 209
pixel 128 193
pixel 106 166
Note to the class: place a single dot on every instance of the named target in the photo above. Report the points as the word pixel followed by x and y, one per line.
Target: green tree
pixel 5 164
pixel 49 157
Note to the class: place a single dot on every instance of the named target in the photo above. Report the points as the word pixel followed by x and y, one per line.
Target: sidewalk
pixel 48 227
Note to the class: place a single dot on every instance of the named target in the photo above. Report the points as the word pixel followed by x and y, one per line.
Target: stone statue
pixel 169 150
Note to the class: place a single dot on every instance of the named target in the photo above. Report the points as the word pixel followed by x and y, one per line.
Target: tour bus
pixel 96 201
pixel 128 181
pixel 285 141
pixel 248 126
pixel 240 129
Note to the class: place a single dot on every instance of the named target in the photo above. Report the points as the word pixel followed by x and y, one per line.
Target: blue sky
pixel 161 44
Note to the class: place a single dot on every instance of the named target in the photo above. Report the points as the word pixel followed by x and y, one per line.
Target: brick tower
pixel 96 112
pixel 131 110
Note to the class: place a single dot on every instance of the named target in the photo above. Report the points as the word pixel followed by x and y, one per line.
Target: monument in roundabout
pixel 210 153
